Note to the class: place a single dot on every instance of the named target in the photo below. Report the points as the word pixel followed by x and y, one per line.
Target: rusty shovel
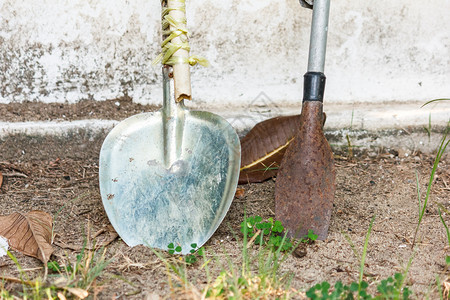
pixel 305 185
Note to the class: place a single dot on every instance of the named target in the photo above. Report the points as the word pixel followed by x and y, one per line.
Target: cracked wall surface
pixel 66 51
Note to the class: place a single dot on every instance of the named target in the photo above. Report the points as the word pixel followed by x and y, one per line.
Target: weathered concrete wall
pixel 70 50
pixel 57 51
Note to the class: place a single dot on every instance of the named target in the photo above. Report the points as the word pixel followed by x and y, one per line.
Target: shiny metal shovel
pixel 305 185
pixel 169 176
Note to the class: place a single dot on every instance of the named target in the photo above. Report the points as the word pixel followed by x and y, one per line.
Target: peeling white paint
pixel 58 51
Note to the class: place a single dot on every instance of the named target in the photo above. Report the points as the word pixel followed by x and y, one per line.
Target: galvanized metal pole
pixel 318 39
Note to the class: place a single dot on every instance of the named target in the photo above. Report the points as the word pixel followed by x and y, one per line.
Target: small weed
pixel 347 136
pixel 363 257
pixel 445 141
pixel 447 231
pixel 54 266
pixel 4 294
pixel 174 250
pixel 193 255
pixel 243 281
pixel 270 233
pixel 75 278
pixel 322 291
pixel 89 265
pixel 272 166
pixel 264 281
pixel 310 237
pixel 263 233
pixel 428 128
pixel 436 100
pixel 390 288
pixel 423 204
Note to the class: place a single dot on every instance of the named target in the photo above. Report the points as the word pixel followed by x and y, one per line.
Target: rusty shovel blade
pixel 305 183
pixel 305 187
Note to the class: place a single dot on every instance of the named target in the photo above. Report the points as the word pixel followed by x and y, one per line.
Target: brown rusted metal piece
pixel 305 185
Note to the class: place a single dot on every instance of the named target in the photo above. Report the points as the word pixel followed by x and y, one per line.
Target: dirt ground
pixel 116 109
pixel 59 175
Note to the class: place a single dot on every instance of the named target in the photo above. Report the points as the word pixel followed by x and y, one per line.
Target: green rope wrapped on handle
pixel 173 29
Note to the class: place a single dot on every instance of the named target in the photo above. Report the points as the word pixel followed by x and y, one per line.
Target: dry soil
pixel 59 175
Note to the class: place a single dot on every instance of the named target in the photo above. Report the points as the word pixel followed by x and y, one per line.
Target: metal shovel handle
pixel 318 39
pixel 314 79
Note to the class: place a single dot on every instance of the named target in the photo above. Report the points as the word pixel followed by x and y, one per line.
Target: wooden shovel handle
pixel 181 71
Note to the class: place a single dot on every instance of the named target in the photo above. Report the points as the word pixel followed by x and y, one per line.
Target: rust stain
pixel 305 185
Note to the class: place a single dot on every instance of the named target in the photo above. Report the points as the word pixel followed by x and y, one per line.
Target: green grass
pixel 74 278
pixel 390 288
pixel 428 128
pixel 423 204
pixel 436 100
pixel 363 257
pixel 258 276
pixel 440 151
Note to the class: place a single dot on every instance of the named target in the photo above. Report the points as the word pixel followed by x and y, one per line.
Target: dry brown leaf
pixel 16 280
pixel 80 293
pixel 446 285
pixel 263 148
pixel 1 179
pixel 29 233
pixel 61 296
pixel 240 192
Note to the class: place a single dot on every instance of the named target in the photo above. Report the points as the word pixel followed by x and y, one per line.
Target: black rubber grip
pixel 314 86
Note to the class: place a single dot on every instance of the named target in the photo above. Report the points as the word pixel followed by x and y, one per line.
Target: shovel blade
pixel 305 184
pixel 152 203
